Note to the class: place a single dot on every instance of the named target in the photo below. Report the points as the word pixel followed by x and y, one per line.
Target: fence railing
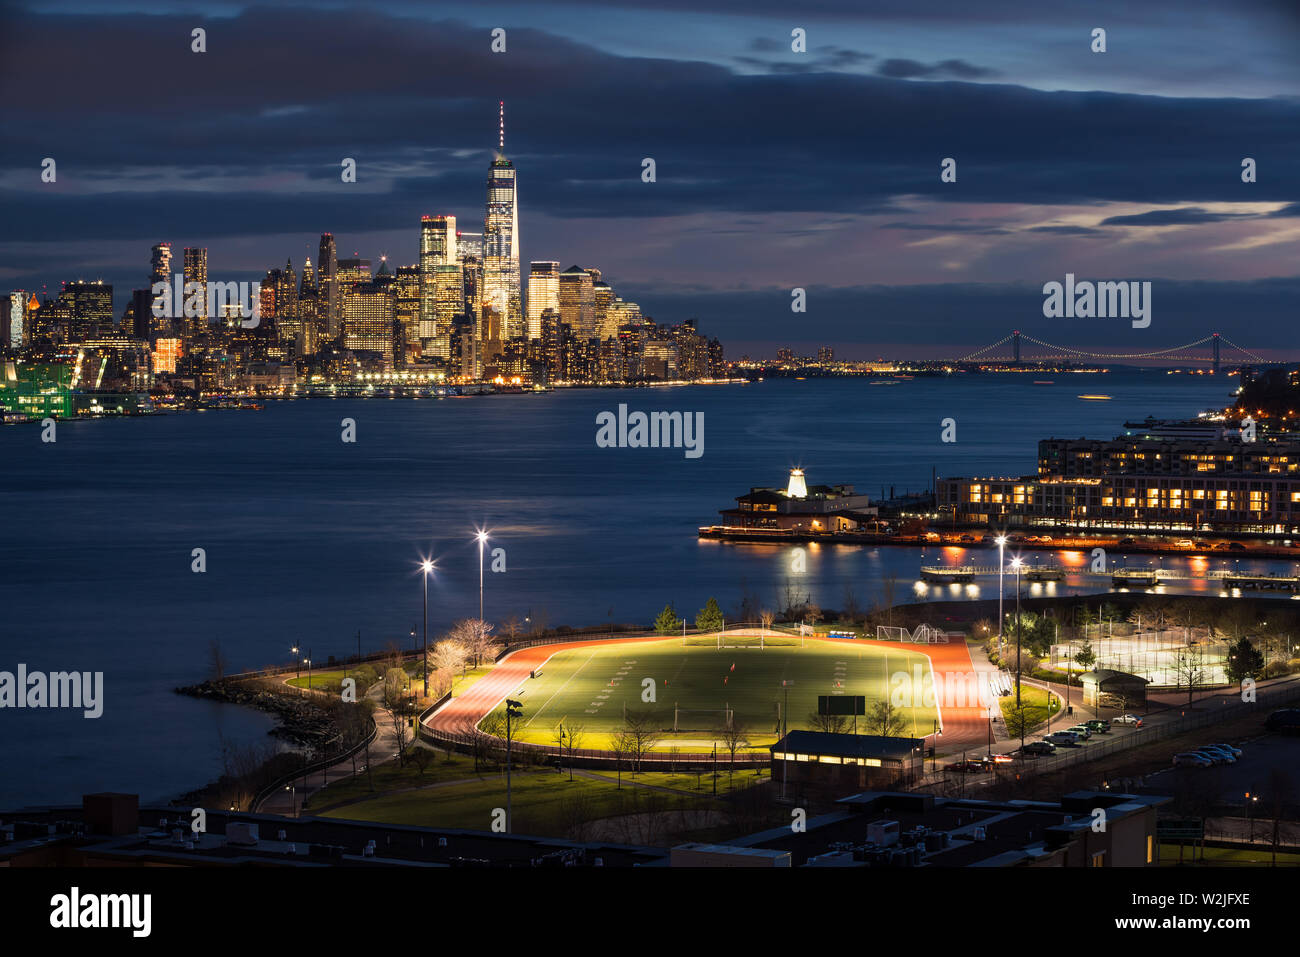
pixel 286 779
pixel 1207 716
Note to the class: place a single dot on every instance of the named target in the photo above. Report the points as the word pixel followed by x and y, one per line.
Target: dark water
pixel 309 539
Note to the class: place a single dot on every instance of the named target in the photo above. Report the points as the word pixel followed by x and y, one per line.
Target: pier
pixel 1120 577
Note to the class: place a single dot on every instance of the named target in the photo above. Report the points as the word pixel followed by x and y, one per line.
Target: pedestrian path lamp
pixel 514 710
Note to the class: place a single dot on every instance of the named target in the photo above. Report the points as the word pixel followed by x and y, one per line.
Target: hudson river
pixel 309 539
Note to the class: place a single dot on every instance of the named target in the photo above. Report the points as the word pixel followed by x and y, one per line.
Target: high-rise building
pixel 15 329
pixel 437 248
pixel 160 265
pixel 543 293
pixel 308 328
pixel 327 265
pixel 406 303
pixel 90 309
pixel 370 322
pixel 577 302
pixel 602 297
pixel 501 291
pixel 196 271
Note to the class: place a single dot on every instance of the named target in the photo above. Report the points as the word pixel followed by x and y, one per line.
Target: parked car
pixel 1190 759
pixel 1036 748
pixel 1184 543
pixel 1082 730
pixel 999 759
pixel 1063 739
pixel 965 767
pixel 1236 547
pixel 1098 725
pixel 1127 541
pixel 1129 719
pixel 1214 757
pixel 1285 721
pixel 1213 749
pixel 1231 749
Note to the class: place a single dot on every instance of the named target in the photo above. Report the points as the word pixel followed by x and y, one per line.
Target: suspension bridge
pixel 1208 349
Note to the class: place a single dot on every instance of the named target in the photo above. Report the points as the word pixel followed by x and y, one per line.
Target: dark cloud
pixel 1186 216
pixel 903 69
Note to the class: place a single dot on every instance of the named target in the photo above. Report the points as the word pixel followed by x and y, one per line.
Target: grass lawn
pixel 321 681
pixel 543 801
pixel 1226 856
pixel 1035 700
pixel 590 687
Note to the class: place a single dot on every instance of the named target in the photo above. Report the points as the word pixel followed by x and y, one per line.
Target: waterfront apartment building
pixel 1132 483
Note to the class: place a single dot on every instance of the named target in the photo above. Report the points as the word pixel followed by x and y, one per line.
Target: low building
pixel 822 764
pixel 908 829
pixel 1131 689
pixel 799 506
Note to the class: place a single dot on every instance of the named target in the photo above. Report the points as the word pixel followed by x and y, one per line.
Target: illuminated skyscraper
pixel 327 266
pixel 577 302
pixel 437 249
pixel 371 320
pixel 196 271
pixel 160 264
pixel 543 294
pixel 501 291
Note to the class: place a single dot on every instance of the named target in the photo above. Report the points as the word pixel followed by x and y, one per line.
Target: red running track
pixel 964 728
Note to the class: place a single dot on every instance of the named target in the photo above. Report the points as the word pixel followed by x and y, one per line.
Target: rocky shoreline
pixel 302 720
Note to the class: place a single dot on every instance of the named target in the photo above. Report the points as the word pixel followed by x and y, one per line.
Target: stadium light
pixel 427 567
pixel 514 709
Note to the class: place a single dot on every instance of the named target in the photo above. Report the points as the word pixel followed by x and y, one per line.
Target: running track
pixel 964 728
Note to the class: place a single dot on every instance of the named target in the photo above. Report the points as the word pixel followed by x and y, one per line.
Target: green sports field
pixel 590 687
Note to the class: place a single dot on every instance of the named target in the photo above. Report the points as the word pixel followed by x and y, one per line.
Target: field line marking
pixel 538 713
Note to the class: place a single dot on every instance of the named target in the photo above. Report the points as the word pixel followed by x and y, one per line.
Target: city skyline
pixel 745 206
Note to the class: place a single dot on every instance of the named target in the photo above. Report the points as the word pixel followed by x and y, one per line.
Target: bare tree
pixel 474 636
pixel 830 723
pixel 767 617
pixel 400 706
pixel 1189 669
pixel 217 664
pixel 644 731
pixel 734 736
pixel 885 720
pixel 888 589
pixel 573 742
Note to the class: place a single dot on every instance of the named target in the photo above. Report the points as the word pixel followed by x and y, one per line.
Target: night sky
pixel 775 169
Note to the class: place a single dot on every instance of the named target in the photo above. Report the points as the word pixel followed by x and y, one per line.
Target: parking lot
pixel 1255 773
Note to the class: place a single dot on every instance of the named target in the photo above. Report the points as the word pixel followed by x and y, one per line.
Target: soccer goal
pixel 923 635
pixel 701 719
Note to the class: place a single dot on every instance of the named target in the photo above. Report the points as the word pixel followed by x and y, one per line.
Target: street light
pixel 1002 544
pixel 294 649
pixel 514 709
pixel 482 540
pixel 427 567
pixel 1016 563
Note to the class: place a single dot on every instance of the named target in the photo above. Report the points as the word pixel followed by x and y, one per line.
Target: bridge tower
pixel 1216 353
pixel 1015 345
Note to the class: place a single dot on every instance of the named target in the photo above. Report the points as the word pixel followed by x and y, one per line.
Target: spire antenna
pixel 501 126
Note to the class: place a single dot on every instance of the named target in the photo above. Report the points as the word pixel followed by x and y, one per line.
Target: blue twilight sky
pixel 775 169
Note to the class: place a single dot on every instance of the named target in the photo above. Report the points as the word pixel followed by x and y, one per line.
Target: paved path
pixel 383 748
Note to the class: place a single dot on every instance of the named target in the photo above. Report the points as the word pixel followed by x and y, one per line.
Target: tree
pixel 1085 657
pixel 888 589
pixel 668 623
pixel 447 657
pixel 217 663
pixel 852 612
pixel 767 617
pixel 1189 667
pixel 1019 723
pixel 813 613
pixel 643 733
pixel 885 720
pixel 400 706
pixel 1244 661
pixel 475 636
pixel 830 723
pixel 573 742
pixel 710 617
pixel 734 736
